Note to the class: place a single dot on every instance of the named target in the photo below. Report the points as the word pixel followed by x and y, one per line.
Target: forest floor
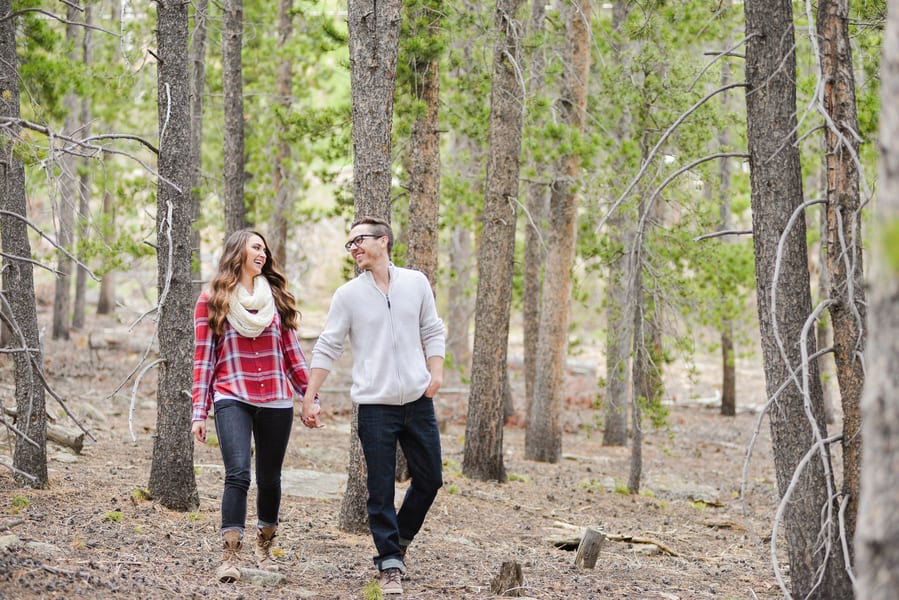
pixel 687 534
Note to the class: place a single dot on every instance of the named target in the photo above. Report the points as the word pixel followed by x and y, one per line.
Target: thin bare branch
pixel 31 261
pixel 662 140
pixel 52 242
pixel 28 476
pixel 75 141
pixel 728 52
pixel 162 297
pixel 134 395
pixel 723 233
pixel 37 368
pixel 17 13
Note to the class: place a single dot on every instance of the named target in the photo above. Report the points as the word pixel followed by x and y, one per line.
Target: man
pixel 398 347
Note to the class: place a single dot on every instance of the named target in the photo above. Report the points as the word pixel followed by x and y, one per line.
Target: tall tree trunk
pixel 197 89
pixel 619 327
pixel 424 176
pixel 19 303
pixel 876 550
pixel 543 435
pixel 640 365
pixel 374 32
pixel 281 175
pixel 844 239
pixel 232 86
pixel 483 454
pixel 459 311
pixel 172 482
pixel 66 198
pixel 423 163
pixel 797 414
pixel 536 201
pixel 84 179
pixel 106 298
pixel 728 366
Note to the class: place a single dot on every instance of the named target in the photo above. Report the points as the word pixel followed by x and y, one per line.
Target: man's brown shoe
pixel 391 581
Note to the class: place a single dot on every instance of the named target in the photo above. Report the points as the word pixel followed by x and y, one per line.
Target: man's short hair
pixel 379 227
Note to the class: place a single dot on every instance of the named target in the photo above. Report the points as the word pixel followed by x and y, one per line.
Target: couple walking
pixel 248 364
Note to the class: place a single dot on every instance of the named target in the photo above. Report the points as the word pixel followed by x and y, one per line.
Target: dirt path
pixel 92 535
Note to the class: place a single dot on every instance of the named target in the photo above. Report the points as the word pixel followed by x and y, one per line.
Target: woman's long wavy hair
pixel 227 278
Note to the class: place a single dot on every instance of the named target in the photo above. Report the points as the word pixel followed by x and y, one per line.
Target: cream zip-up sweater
pixel 391 336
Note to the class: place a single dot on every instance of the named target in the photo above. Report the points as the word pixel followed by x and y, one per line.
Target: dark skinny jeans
pixel 414 426
pixel 235 423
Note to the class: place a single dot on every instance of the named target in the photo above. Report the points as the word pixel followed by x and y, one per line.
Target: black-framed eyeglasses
pixel 357 241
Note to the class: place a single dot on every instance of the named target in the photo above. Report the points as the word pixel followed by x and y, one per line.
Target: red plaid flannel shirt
pixel 257 370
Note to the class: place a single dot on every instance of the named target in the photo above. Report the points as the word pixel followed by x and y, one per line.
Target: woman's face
pixel 254 256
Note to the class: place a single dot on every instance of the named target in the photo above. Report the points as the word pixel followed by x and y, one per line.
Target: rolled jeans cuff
pixel 391 563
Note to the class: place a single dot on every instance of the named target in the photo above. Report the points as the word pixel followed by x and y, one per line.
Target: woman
pixel 249 364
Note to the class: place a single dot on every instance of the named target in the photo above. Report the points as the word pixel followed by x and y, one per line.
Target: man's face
pixel 366 247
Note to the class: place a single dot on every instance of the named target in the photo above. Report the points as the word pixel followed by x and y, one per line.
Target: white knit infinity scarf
pixel 261 300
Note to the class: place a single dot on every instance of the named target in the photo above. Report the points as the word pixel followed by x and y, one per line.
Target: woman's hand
pixel 311 412
pixel 198 428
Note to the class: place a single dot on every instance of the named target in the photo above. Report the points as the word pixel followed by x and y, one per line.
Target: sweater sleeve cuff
pixel 320 361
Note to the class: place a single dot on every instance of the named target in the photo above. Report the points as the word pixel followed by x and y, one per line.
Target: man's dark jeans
pixel 235 423
pixel 415 427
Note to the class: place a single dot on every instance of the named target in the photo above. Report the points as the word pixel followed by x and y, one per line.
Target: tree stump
pixel 588 549
pixel 509 581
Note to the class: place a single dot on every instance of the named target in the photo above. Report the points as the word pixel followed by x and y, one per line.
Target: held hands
pixel 198 428
pixel 311 412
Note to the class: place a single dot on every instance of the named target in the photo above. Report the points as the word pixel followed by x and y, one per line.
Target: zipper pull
pixel 388 300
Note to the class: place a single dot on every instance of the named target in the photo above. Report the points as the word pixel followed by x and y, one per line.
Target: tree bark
pixel 236 217
pixel 536 201
pixel 877 553
pixel 728 366
pixel 79 309
pixel 281 175
pixel 424 171
pixel 460 308
pixel 844 238
pixel 619 336
pixel 172 482
pixel 483 453
pixel 106 298
pixel 543 435
pixel 66 199
pixel 19 304
pixel 197 89
pixel 374 30
pixel 797 414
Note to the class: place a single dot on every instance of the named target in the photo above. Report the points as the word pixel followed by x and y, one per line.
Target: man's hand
pixel 311 412
pixel 435 367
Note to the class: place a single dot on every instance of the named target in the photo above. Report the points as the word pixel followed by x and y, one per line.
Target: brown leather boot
pixel 263 551
pixel 229 571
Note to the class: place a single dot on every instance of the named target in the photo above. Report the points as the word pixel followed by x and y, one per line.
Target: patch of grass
pixel 372 591
pixel 212 440
pixel 138 529
pixel 450 464
pixel 195 516
pixel 453 489
pixel 19 502
pixel 140 495
pixel 279 552
pixel 517 477
pixel 114 515
pixel 621 488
